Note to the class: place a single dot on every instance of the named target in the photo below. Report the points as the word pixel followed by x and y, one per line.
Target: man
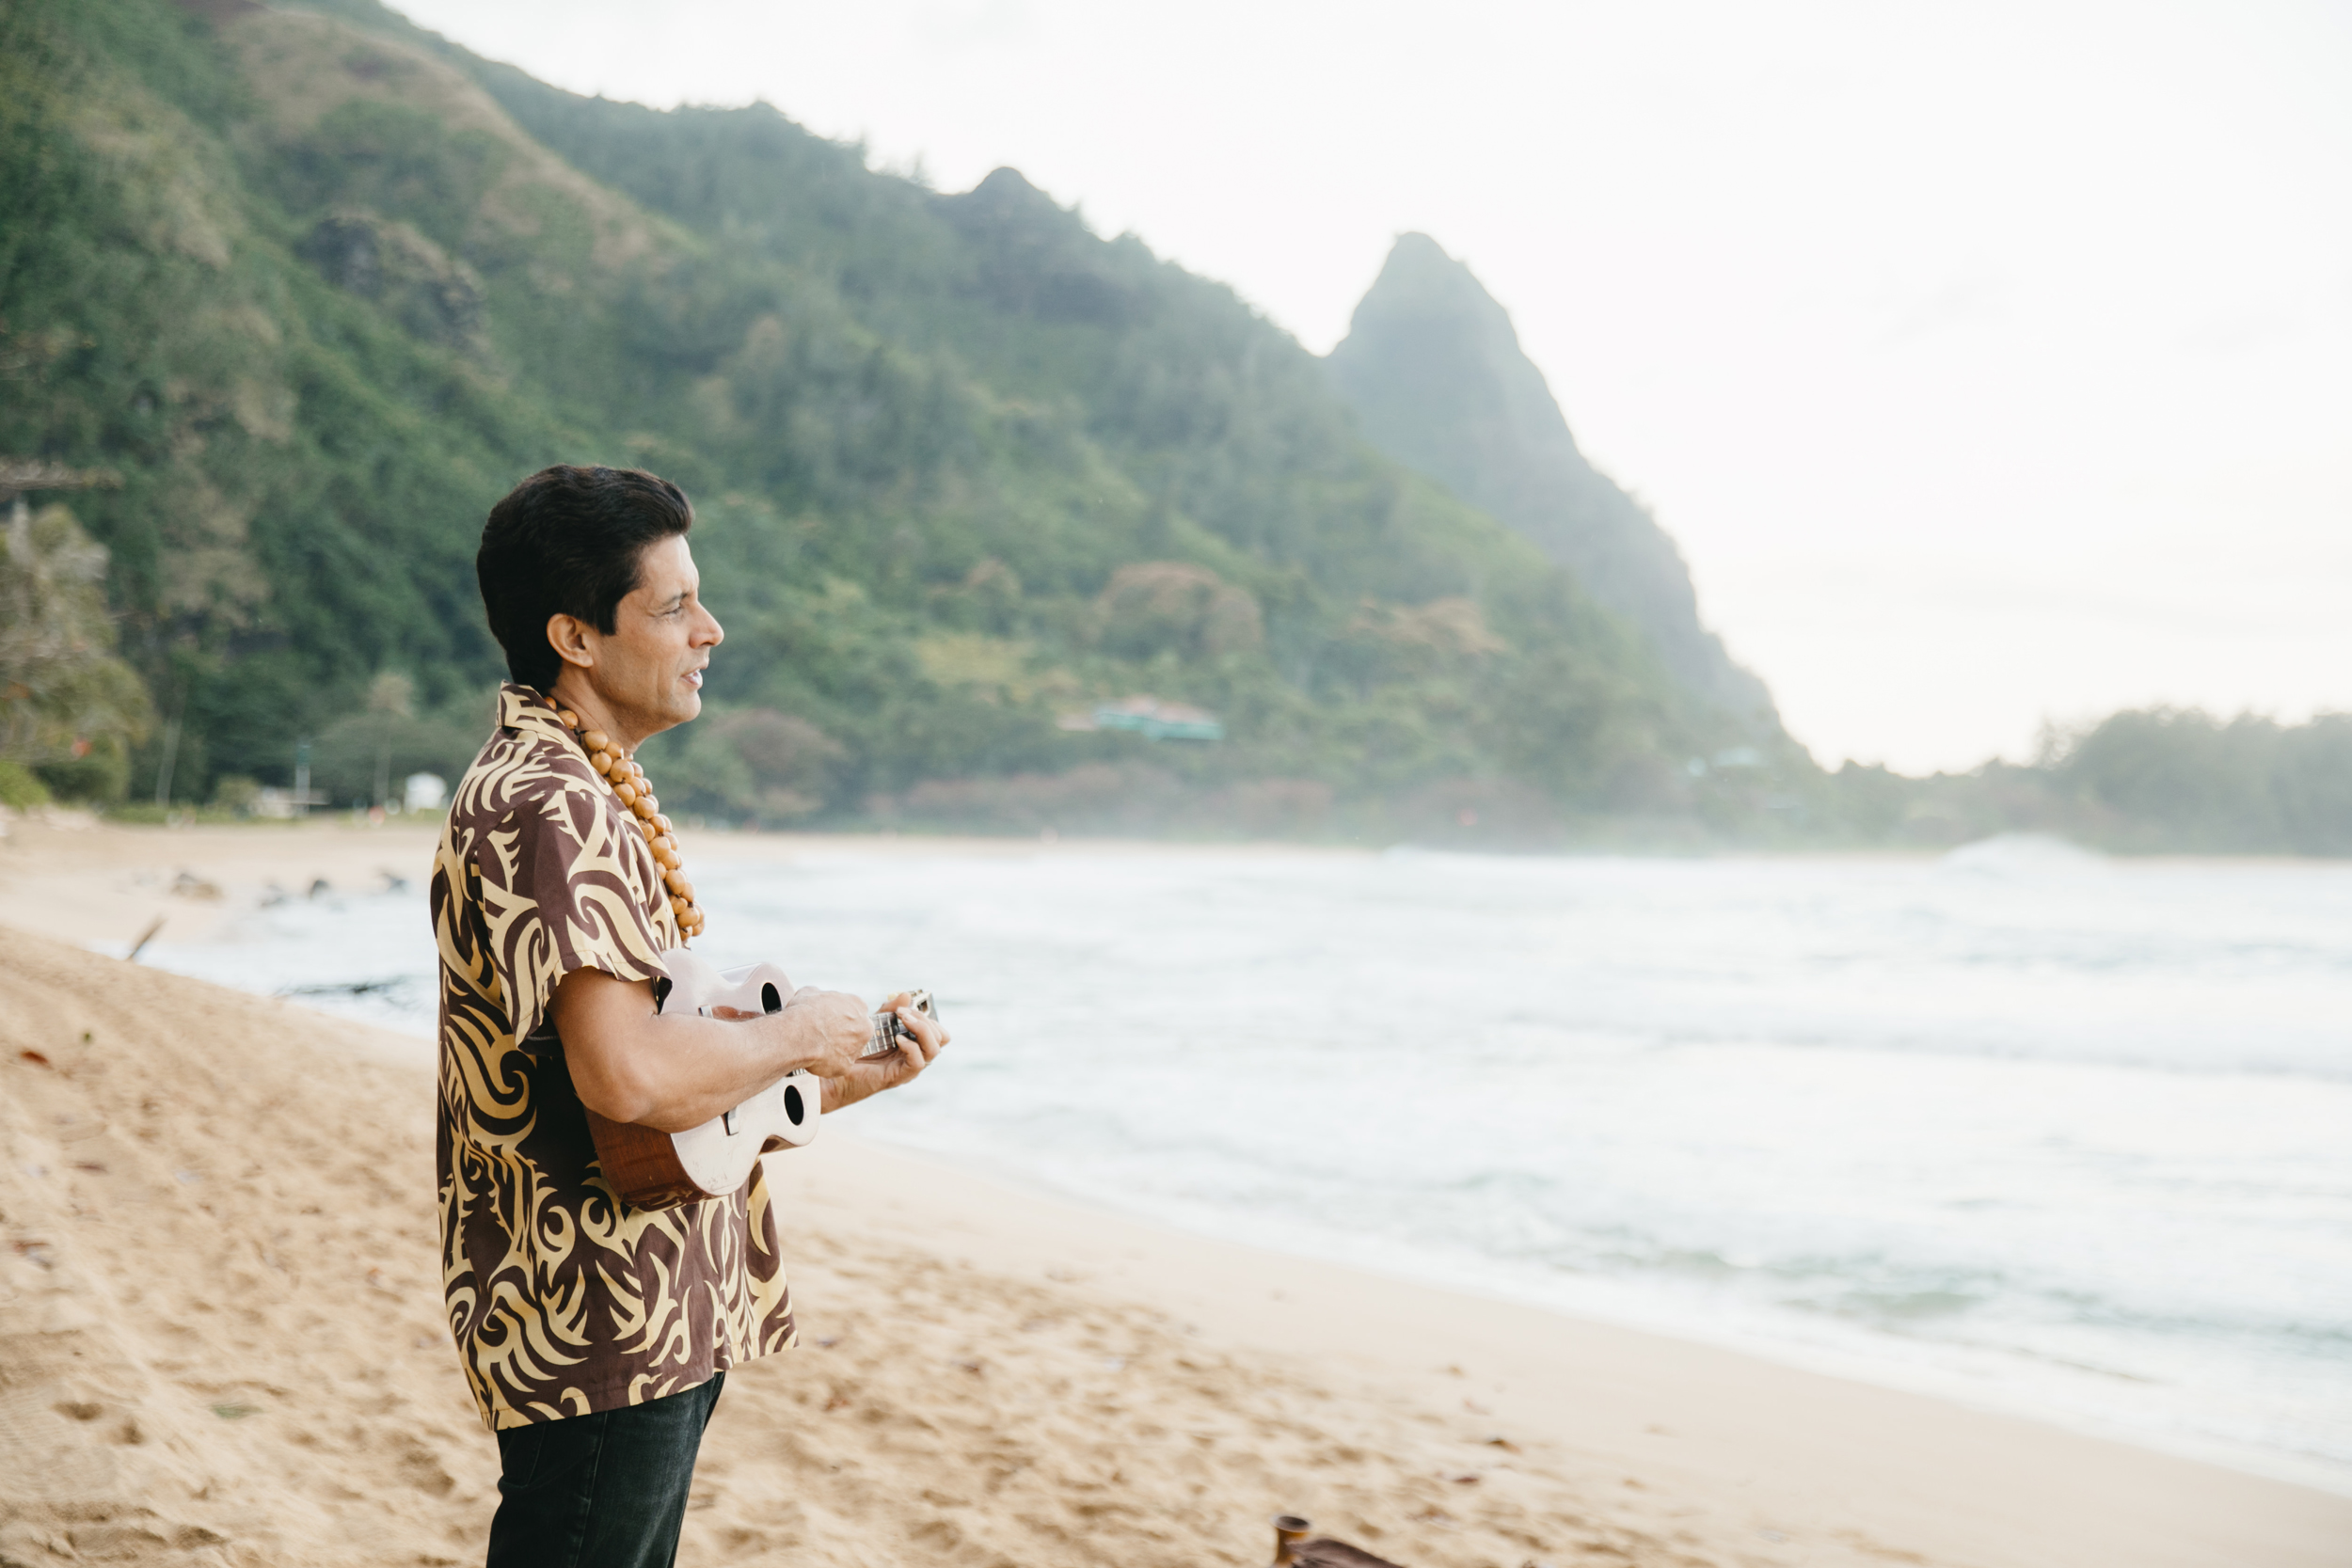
pixel 596 1335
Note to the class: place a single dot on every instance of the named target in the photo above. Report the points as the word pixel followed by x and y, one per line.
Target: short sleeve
pixel 563 888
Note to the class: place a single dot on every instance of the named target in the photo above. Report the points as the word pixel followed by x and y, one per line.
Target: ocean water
pixel 2018 1126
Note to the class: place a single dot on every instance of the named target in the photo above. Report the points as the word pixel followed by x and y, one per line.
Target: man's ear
pixel 569 635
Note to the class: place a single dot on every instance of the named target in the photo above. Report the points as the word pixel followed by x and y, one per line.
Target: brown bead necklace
pixel 627 781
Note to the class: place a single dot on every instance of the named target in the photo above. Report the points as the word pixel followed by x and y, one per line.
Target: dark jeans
pixel 601 1491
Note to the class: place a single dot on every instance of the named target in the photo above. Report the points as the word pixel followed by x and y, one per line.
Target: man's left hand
pixel 921 1038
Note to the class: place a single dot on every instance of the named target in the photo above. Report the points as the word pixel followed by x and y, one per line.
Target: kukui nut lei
pixel 619 770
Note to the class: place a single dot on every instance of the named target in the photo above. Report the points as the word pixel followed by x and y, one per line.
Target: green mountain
pixel 317 287
pixel 1433 368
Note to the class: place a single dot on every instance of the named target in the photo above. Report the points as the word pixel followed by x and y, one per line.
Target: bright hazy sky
pixel 1992 363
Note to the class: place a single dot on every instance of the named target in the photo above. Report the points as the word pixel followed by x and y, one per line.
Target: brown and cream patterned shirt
pixel 564 1300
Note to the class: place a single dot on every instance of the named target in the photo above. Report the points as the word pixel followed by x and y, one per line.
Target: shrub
pixel 20 788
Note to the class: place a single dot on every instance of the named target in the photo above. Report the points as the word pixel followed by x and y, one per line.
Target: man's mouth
pixel 694 679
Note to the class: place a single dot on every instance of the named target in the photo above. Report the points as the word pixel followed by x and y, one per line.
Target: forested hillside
pixel 2162 781
pixel 317 288
pixel 288 297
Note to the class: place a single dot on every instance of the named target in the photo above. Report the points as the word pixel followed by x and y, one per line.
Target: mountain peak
pixel 1434 370
pixel 1421 281
pixel 1006 184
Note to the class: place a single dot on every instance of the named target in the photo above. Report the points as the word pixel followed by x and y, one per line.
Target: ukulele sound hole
pixel 770 1002
pixel 793 1109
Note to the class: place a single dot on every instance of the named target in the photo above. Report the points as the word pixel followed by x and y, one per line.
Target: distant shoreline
pixel 56 838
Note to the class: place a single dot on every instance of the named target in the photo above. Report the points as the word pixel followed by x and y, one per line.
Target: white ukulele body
pixel 717 1156
pixel 653 1169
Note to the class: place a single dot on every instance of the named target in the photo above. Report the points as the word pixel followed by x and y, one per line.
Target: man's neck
pixel 573 692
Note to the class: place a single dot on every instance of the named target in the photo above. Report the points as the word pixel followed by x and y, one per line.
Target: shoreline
pixel 1677 1414
pixel 1691 1436
pixel 1919 1381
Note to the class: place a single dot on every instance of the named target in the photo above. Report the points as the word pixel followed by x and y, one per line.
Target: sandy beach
pixel 221 1338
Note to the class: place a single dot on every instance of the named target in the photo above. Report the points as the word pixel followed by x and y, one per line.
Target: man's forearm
pixel 671 1071
pixel 703 1066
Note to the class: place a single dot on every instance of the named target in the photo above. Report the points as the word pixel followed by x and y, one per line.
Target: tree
pixel 392 696
pixel 62 690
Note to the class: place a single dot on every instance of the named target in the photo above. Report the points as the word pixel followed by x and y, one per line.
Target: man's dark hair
pixel 566 540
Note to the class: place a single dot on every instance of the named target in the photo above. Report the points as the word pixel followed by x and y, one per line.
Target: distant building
pixel 1149 717
pixel 424 792
pixel 285 805
pixel 1734 758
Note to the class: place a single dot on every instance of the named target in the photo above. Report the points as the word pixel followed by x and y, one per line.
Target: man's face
pixel 649 670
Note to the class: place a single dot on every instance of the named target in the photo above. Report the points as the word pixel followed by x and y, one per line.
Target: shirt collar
pixel 522 709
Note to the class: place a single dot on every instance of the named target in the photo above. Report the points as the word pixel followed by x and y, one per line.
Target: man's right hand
pixel 834 1025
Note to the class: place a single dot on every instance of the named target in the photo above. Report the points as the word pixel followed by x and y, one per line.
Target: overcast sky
pixel 1992 363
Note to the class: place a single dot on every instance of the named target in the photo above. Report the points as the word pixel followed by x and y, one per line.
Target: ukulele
pixel 649 1168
